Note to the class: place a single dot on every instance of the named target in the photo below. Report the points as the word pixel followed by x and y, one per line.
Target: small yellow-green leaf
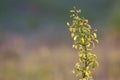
pixel 85 21
pixel 73 46
pixel 89 26
pixel 81 23
pixel 72 11
pixel 76 47
pixel 87 73
pixel 72 35
pixel 77 65
pixel 70 29
pixel 80 55
pixel 74 29
pixel 78 11
pixel 95 35
pixel 97 64
pixel 97 41
pixel 68 24
pixel 82 39
pixel 75 38
pixel 88 45
pixel 73 71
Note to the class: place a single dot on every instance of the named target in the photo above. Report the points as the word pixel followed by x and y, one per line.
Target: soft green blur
pixel 35 43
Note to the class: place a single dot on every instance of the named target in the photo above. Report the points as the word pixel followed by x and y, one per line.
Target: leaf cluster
pixel 84 41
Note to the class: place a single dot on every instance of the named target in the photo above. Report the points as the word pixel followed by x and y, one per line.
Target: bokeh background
pixel 35 43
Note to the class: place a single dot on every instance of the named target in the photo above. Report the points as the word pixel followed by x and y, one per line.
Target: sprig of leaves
pixel 84 41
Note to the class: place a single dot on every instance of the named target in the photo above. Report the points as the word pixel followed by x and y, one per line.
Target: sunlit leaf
pixel 72 35
pixel 85 21
pixel 72 11
pixel 75 38
pixel 68 24
pixel 95 35
pixel 73 71
pixel 70 29
pixel 97 41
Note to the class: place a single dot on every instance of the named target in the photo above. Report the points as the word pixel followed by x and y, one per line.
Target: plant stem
pixel 85 64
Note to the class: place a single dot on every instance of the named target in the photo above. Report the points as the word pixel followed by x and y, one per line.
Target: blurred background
pixel 35 43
